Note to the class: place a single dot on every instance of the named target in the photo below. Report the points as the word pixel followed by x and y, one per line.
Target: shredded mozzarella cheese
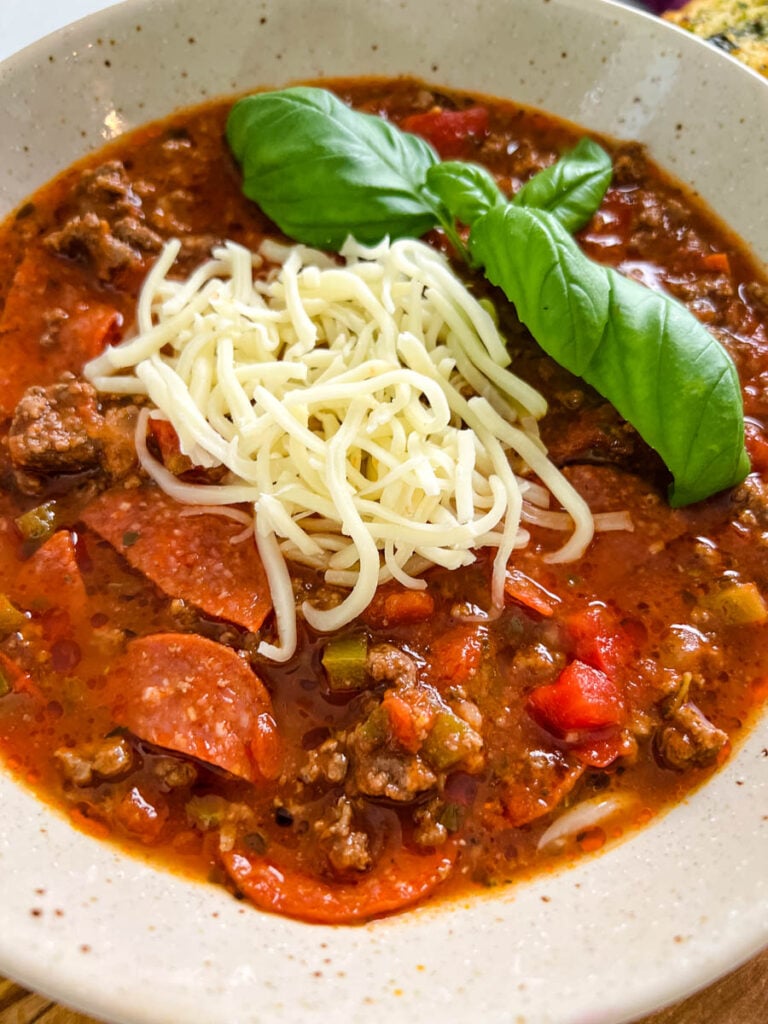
pixel 365 411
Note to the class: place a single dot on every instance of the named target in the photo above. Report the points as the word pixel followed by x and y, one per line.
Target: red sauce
pixel 133 696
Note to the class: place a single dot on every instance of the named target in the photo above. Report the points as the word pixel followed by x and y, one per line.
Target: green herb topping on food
pixel 323 172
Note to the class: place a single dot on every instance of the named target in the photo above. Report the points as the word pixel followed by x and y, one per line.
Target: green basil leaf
pixel 642 350
pixel 465 190
pixel 572 188
pixel 322 171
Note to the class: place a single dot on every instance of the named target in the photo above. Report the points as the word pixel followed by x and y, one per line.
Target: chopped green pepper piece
pixel 5 684
pixel 449 741
pixel 375 729
pixel 738 604
pixel 207 812
pixel 450 817
pixel 344 660
pixel 11 619
pixel 39 523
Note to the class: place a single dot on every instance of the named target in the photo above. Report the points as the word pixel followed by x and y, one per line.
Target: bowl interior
pixel 622 933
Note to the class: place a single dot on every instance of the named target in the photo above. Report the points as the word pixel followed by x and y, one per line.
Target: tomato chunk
pixel 756 441
pixel 600 639
pixel 394 883
pixel 191 557
pixel 449 131
pixel 583 699
pixel 167 441
pixel 455 655
pixel 188 694
pixel 391 607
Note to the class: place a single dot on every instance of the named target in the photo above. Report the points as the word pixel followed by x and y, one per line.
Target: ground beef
pixel 60 430
pixel 174 773
pixel 347 848
pixel 53 429
pixel 689 739
pixel 429 829
pixel 327 763
pixel 388 664
pixel 597 434
pixel 391 775
pixel 751 501
pixel 91 238
pixel 106 227
pixel 89 762
pixel 630 164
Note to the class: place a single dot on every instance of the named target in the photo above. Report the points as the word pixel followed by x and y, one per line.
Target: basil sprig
pixel 571 189
pixel 663 371
pixel 323 172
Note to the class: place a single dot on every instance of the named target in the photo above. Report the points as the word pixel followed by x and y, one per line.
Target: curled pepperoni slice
pixel 198 698
pixel 396 882
pixel 52 578
pixel 187 556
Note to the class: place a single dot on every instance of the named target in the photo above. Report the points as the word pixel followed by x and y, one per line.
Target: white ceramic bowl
pixel 622 933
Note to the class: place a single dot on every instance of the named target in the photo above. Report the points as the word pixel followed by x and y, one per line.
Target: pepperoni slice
pixel 395 883
pixel 49 324
pixel 191 557
pixel 51 578
pixel 191 695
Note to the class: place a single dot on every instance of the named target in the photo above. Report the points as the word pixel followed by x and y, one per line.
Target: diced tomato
pixel 455 655
pixel 141 816
pixel 391 607
pixel 394 883
pixel 718 262
pixel 167 441
pixel 582 699
pixel 186 693
pixel 191 557
pixel 402 723
pixel 449 131
pixel 599 753
pixel 600 639
pixel 538 788
pixel 526 591
pixel 756 442
pixel 15 679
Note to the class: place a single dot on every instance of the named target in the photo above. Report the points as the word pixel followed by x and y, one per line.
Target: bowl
pixel 621 933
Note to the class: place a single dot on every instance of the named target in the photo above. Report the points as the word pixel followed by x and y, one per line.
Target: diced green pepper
pixel 375 729
pixel 449 741
pixel 11 619
pixel 738 604
pixel 207 812
pixel 5 684
pixel 450 817
pixel 344 660
pixel 39 523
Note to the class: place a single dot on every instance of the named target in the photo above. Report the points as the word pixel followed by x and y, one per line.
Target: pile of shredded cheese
pixel 364 412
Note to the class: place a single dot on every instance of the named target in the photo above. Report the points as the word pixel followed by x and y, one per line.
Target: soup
pixel 477 717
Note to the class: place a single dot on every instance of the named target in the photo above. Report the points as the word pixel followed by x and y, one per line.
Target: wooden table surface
pixel 739 998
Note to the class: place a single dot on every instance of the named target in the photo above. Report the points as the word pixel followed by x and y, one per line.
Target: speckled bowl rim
pixel 614 937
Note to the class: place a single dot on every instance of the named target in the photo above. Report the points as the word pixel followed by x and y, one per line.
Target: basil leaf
pixel 322 171
pixel 640 349
pixel 572 188
pixel 465 190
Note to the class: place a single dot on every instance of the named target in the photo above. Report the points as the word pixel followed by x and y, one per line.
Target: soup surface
pixel 435 743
